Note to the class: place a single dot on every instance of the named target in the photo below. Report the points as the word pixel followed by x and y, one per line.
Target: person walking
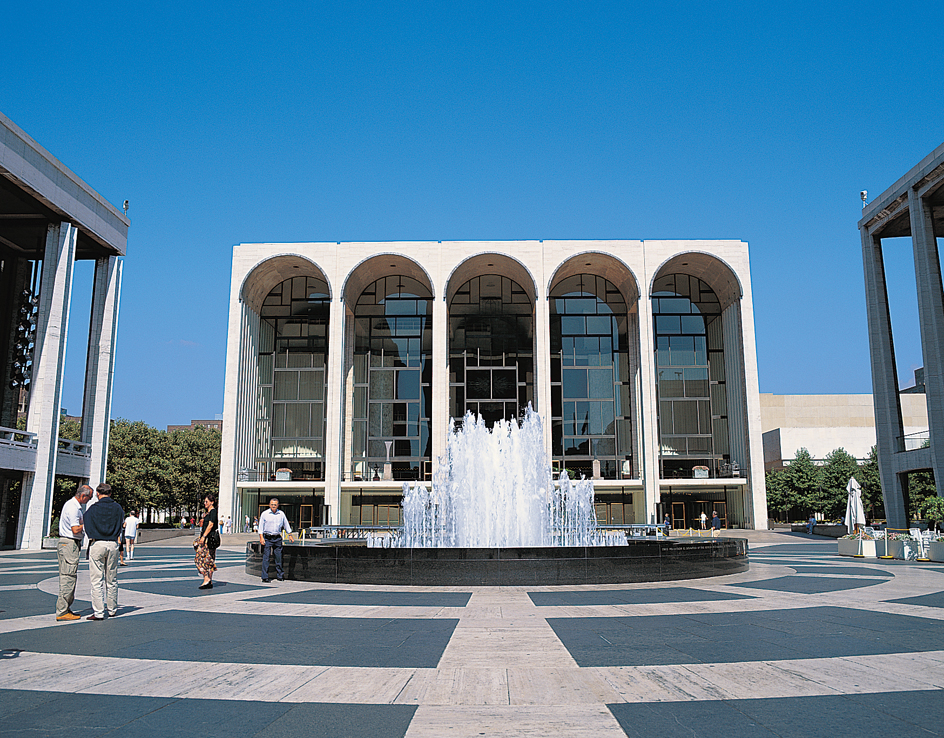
pixel 248 529
pixel 131 532
pixel 271 524
pixel 207 543
pixel 103 523
pixel 71 528
pixel 667 522
pixel 715 524
pixel 704 519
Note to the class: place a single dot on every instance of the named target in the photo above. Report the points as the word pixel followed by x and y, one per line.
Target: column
pixel 334 412
pixel 439 422
pixel 542 361
pixel 648 410
pixel 888 422
pixel 100 365
pixel 931 318
pixel 46 386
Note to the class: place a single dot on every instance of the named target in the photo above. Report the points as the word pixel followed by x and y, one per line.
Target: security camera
pixel 864 195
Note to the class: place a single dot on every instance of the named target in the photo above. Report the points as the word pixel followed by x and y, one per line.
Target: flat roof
pixel 36 189
pixel 887 215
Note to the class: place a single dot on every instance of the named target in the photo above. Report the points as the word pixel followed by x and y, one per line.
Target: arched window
pixel 590 390
pixel 293 352
pixel 392 377
pixel 491 354
pixel 690 377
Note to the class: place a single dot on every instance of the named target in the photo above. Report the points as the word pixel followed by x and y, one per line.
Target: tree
pixel 835 474
pixel 803 481
pixel 779 494
pixel 140 468
pixel 196 465
pixel 871 482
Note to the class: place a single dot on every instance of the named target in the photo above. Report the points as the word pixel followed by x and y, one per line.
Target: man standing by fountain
pixel 271 524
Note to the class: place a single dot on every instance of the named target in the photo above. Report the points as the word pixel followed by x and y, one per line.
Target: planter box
pixel 936 551
pixel 849 547
pixel 907 550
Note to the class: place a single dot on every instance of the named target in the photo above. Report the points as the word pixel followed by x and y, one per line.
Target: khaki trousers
pixel 103 572
pixel 68 553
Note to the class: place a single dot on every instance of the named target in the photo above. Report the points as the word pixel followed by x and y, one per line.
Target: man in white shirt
pixel 271 524
pixel 131 532
pixel 70 544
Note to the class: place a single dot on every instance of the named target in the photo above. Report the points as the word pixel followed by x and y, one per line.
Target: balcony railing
pixel 914 441
pixel 18 438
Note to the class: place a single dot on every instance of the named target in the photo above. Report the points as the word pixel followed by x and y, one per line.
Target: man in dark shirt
pixel 103 522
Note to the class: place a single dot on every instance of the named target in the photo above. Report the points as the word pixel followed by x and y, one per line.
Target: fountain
pixel 494 489
pixel 494 516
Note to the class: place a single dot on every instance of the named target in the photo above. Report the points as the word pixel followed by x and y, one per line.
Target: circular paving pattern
pixel 804 643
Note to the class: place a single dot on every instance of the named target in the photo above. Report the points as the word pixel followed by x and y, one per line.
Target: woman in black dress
pixel 207 543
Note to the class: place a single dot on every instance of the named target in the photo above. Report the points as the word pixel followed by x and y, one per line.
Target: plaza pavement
pixel 805 643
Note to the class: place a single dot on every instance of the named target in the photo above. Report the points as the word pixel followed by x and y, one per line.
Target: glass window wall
pixel 590 392
pixel 293 351
pixel 693 423
pixel 491 354
pixel 392 379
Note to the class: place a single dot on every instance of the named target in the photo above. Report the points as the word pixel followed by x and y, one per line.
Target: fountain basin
pixel 642 560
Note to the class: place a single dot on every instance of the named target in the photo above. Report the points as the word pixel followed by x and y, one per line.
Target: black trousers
pixel 272 545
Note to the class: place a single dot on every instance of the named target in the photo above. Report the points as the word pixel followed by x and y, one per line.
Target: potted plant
pixel 857 544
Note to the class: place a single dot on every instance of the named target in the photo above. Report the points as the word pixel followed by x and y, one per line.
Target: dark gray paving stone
pixel 341 721
pixel 371 598
pixel 21 603
pixel 630 596
pixel 49 714
pixel 815 632
pixel 809 585
pixel 76 714
pixel 929 600
pixel 263 639
pixel 893 713
pixel 31 578
pixel 854 571
pixel 187 587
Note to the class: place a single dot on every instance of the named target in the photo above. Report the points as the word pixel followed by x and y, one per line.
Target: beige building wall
pixel 823 423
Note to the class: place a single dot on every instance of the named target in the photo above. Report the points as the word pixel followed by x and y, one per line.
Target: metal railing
pixel 914 441
pixel 74 448
pixel 15 437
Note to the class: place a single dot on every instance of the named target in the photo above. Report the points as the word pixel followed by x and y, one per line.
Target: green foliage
pixel 921 489
pixel 933 508
pixel 779 494
pixel 871 482
pixel 196 467
pixel 803 481
pixel 840 467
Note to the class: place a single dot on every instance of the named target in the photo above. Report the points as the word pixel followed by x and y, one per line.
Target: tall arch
pixel 594 365
pixel 491 299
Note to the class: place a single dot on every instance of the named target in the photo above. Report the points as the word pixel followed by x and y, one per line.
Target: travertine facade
pixel 531 282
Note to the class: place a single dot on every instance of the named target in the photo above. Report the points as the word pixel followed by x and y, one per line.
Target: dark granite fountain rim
pixel 643 560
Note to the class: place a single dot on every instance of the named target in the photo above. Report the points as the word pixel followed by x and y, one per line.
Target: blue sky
pixel 243 122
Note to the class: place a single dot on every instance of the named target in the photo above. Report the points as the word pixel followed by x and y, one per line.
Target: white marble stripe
pixel 470 685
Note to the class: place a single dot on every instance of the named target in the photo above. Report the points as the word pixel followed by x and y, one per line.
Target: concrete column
pixel 931 312
pixel 648 410
pixel 888 421
pixel 542 361
pixel 100 365
pixel 439 422
pixel 334 412
pixel 46 387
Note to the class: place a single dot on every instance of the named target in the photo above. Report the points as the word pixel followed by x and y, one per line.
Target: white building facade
pixel 346 363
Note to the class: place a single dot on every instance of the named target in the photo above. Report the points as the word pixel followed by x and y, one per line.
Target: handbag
pixel 213 539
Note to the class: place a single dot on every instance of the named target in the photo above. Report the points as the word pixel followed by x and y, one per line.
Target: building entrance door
pixel 678 515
